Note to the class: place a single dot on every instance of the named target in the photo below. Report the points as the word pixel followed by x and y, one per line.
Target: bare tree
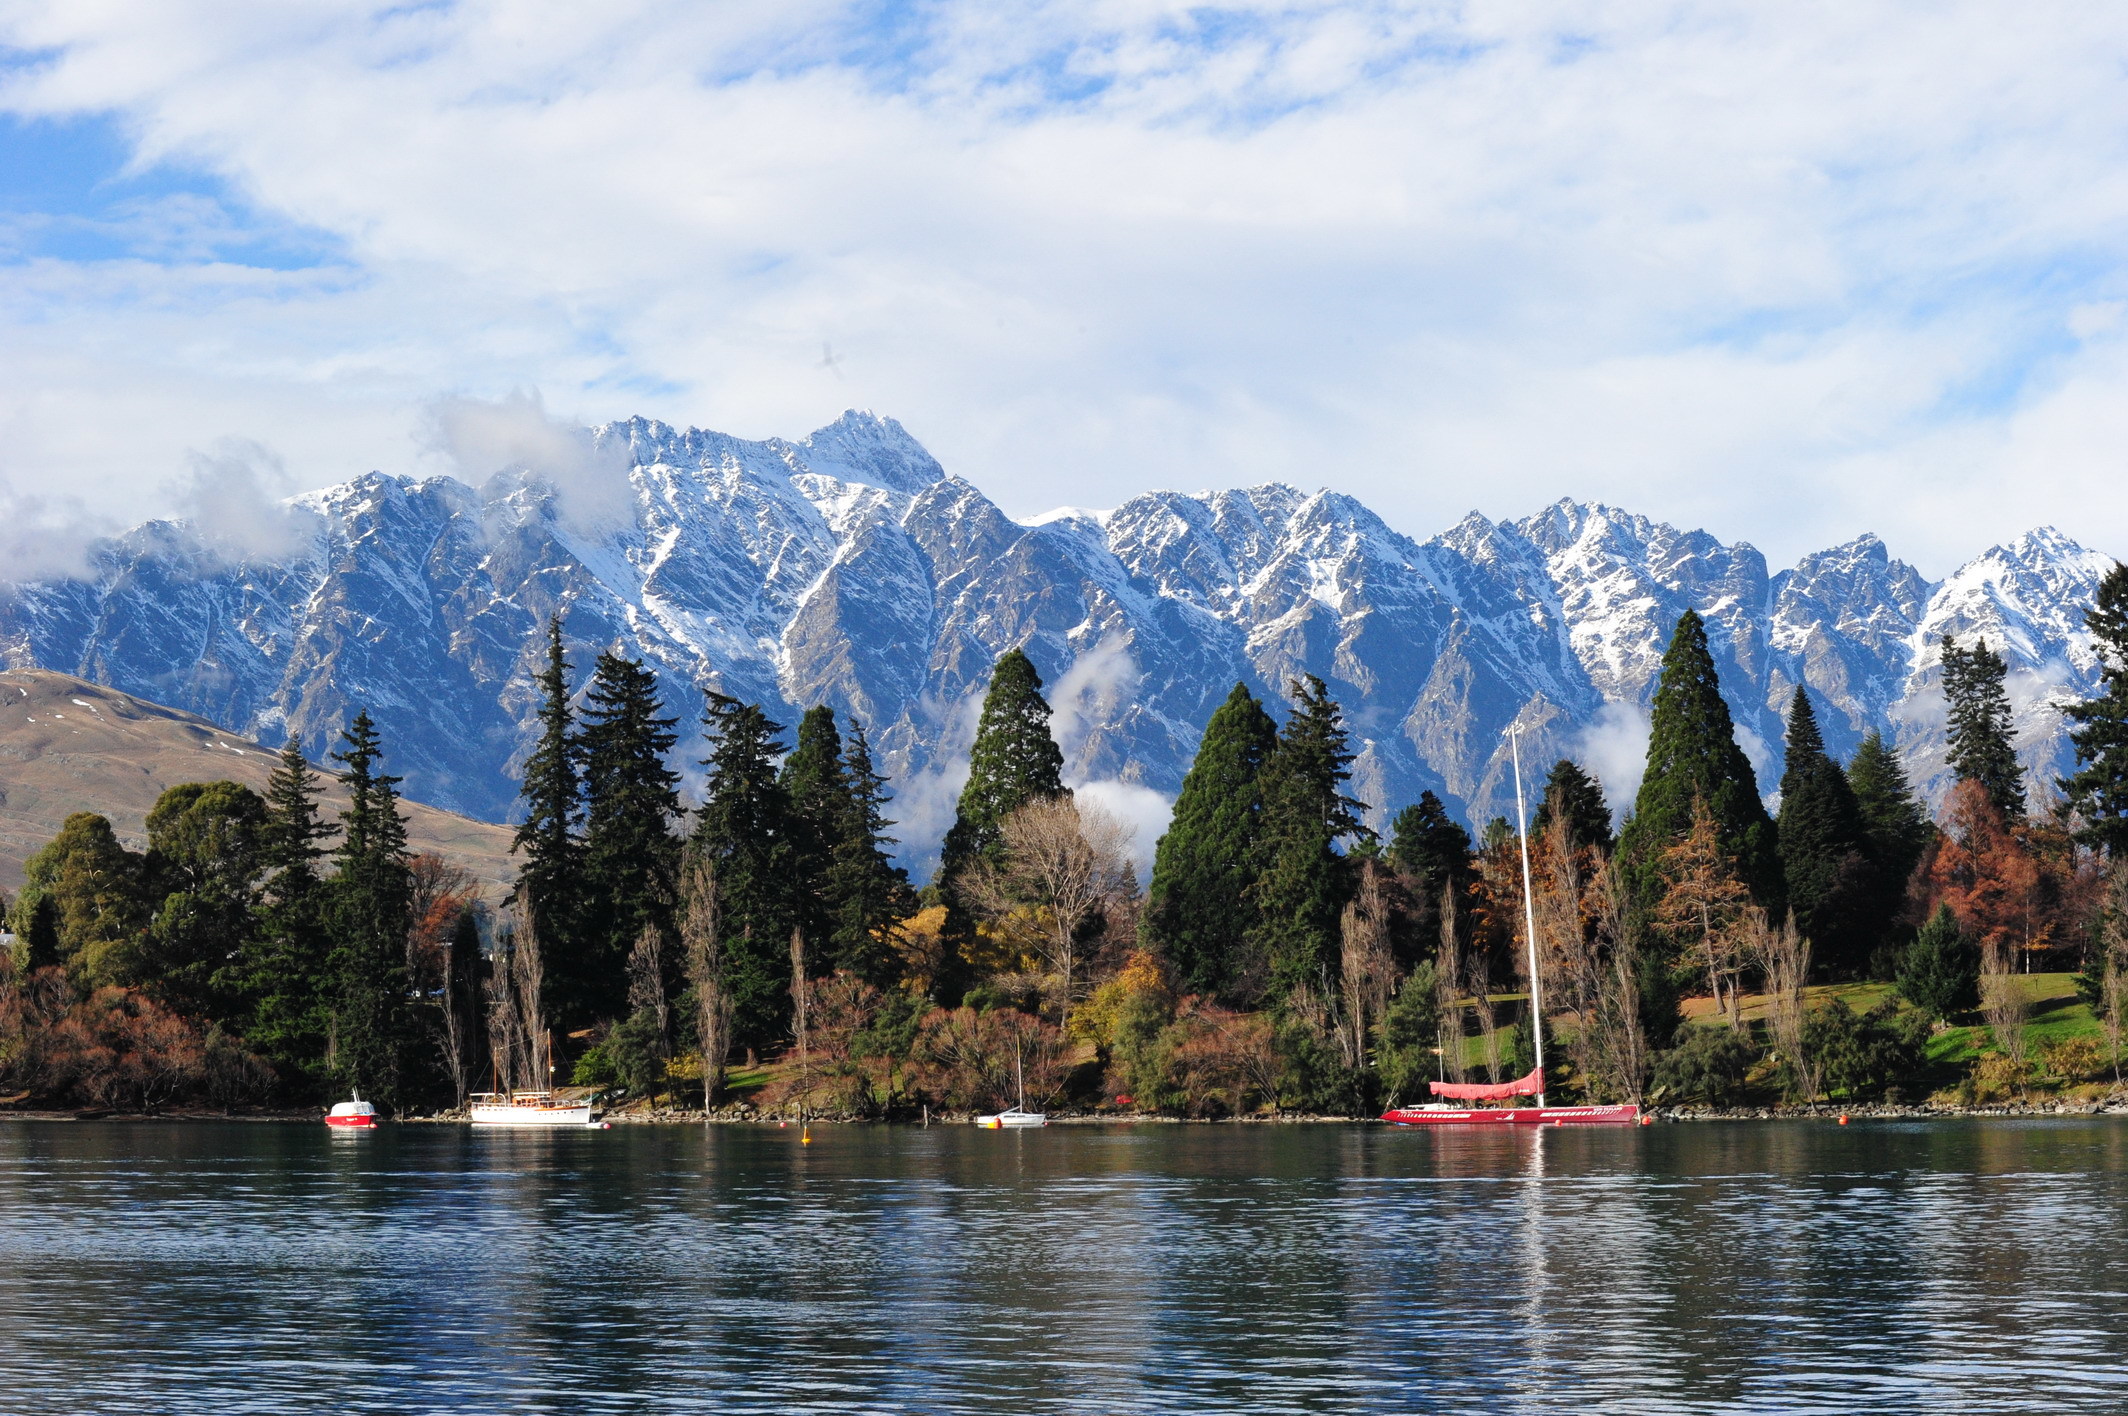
pixel 1588 963
pixel 517 1025
pixel 442 896
pixel 2113 962
pixel 801 998
pixel 1448 980
pixel 2002 1000
pixel 702 941
pixel 1368 968
pixel 1063 864
pixel 1783 956
pixel 646 990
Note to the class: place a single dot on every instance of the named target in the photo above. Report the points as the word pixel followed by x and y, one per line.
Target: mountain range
pixel 850 568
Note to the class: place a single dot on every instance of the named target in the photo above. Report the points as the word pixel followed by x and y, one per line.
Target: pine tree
pixel 868 893
pixel 1692 754
pixel 205 850
pixel 1895 827
pixel 1303 885
pixel 96 895
pixel 370 909
pixel 1199 909
pixel 1014 760
pixel 2099 789
pixel 1823 854
pixel 1981 746
pixel 1575 795
pixel 286 982
pixel 818 792
pixel 744 836
pixel 630 855
pixel 1940 971
pixel 553 794
pixel 1430 848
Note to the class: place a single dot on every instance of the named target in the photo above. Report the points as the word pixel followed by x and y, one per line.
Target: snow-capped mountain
pixel 851 569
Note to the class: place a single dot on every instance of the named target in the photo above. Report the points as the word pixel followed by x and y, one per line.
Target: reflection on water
pixel 1956 1266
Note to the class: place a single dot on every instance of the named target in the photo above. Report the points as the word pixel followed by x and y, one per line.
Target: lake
pixel 1955 1266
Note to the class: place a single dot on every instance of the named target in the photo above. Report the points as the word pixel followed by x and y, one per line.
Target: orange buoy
pixel 1843 1120
pixel 1647 1120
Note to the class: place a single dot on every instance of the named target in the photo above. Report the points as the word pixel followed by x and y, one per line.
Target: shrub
pixel 2074 1059
pixel 1866 1056
pixel 1705 1065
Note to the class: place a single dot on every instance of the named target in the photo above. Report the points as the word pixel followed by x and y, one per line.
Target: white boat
pixel 1016 1117
pixel 529 1108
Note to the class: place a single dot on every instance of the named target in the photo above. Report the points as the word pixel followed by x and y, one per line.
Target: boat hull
pixel 533 1117
pixel 1514 1116
pixel 352 1123
pixel 1012 1121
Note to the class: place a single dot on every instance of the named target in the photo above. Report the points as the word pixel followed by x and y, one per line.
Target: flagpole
pixel 1529 916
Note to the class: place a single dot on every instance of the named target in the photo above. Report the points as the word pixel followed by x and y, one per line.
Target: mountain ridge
pixel 849 567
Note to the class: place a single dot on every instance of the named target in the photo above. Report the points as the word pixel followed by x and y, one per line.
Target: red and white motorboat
pixel 356 1115
pixel 1445 1112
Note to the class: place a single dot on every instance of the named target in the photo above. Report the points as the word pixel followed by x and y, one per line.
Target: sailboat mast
pixel 1529 915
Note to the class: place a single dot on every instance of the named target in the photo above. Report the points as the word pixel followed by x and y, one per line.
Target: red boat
pixel 356 1115
pixel 1446 1114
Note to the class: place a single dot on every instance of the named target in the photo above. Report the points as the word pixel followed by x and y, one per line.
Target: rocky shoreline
pixel 2113 1105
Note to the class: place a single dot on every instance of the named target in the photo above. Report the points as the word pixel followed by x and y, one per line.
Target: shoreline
pixel 2116 1105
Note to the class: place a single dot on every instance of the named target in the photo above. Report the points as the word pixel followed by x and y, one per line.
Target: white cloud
pixel 1790 274
pixel 234 494
pixel 482 437
pixel 1144 811
pixel 1614 748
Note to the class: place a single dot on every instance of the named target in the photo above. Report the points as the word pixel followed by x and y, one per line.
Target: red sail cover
pixel 1531 1085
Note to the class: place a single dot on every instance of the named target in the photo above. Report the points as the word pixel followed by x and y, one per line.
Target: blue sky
pixel 1788 273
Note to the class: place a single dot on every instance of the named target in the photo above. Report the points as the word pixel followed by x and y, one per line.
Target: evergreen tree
pixel 2099 789
pixel 744 834
pixel 95 891
pixel 1014 761
pixel 817 789
pixel 1692 753
pixel 1573 794
pixel 369 911
pixel 35 923
pixel 1430 848
pixel 1199 909
pixel 868 894
pixel 1304 884
pixel 1824 858
pixel 206 847
pixel 286 982
pixel 1895 827
pixel 1981 746
pixel 1940 971
pixel 553 794
pixel 630 855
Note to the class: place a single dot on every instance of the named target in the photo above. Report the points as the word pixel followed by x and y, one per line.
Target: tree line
pixel 762 944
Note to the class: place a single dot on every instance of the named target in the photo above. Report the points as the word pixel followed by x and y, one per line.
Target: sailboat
pixel 1017 1116
pixel 1445 1112
pixel 531 1108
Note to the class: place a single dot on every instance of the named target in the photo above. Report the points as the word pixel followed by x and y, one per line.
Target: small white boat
pixel 356 1115
pixel 529 1108
pixel 1014 1118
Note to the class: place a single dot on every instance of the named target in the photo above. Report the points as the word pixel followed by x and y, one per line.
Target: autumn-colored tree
pixel 1979 867
pixel 1702 901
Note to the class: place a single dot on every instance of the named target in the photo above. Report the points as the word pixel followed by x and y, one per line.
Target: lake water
pixel 1943 1267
